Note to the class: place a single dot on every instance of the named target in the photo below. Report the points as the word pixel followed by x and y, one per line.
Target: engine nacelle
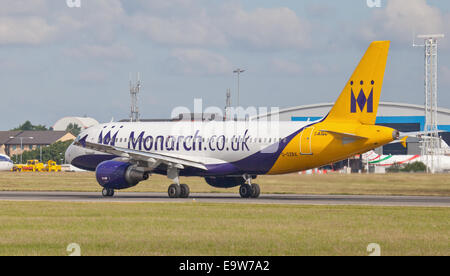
pixel 119 175
pixel 224 182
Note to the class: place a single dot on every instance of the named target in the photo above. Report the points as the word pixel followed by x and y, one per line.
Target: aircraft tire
pixel 107 192
pixel 255 191
pixel 174 191
pixel 245 191
pixel 184 191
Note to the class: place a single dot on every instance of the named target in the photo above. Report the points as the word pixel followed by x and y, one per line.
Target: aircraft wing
pixel 153 158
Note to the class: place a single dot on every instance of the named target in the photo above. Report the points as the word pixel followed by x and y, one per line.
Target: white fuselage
pixel 209 142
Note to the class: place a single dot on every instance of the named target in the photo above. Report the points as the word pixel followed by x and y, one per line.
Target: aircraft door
pixel 305 141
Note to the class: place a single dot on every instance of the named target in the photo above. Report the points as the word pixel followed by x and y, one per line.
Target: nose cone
pixel 69 155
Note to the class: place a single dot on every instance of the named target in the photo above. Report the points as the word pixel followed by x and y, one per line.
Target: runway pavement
pixel 231 198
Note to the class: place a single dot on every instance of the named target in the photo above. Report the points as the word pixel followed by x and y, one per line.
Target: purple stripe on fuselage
pixel 262 161
pixel 257 163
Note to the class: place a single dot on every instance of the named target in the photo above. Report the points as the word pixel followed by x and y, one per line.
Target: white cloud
pixel 92 77
pixel 23 7
pixel 198 62
pixel 96 21
pixel 178 23
pixel 227 25
pixel 194 31
pixel 283 66
pixel 25 30
pixel 38 21
pixel 400 18
pixel 266 28
pixel 114 51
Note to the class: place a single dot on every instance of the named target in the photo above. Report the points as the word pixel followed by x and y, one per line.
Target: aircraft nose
pixel 69 155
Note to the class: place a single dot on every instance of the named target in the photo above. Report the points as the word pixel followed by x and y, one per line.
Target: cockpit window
pixel 4 158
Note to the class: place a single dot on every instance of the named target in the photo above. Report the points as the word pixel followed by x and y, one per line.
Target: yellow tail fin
pixel 359 100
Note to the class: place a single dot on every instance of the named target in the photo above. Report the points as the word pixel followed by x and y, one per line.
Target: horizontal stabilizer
pixel 402 141
pixel 344 134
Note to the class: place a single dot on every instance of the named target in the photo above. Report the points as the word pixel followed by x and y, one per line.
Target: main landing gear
pixel 249 190
pixel 176 190
pixel 107 192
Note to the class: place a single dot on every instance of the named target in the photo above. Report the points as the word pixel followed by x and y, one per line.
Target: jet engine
pixel 119 175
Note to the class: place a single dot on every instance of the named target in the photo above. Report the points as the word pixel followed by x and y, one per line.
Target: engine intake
pixel 119 175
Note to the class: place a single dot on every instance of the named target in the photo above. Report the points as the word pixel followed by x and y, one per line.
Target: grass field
pixel 47 228
pixel 373 184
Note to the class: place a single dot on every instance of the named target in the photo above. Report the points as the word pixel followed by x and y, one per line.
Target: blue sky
pixel 57 61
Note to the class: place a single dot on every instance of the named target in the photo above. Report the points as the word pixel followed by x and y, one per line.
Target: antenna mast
pixel 431 146
pixel 134 90
pixel 228 104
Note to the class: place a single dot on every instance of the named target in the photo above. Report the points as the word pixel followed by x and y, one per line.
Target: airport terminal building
pixel 401 116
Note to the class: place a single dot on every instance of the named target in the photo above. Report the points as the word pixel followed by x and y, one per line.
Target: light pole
pixel 238 71
pixel 21 145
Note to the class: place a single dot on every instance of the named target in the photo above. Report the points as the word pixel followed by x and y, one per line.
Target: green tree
pixel 395 168
pixel 53 152
pixel 415 167
pixel 29 126
pixel 74 129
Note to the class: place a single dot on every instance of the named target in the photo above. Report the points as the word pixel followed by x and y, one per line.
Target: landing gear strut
pixel 249 190
pixel 107 192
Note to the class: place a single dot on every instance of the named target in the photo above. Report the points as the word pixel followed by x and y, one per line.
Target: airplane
pixel 441 162
pixel 233 153
pixel 6 163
